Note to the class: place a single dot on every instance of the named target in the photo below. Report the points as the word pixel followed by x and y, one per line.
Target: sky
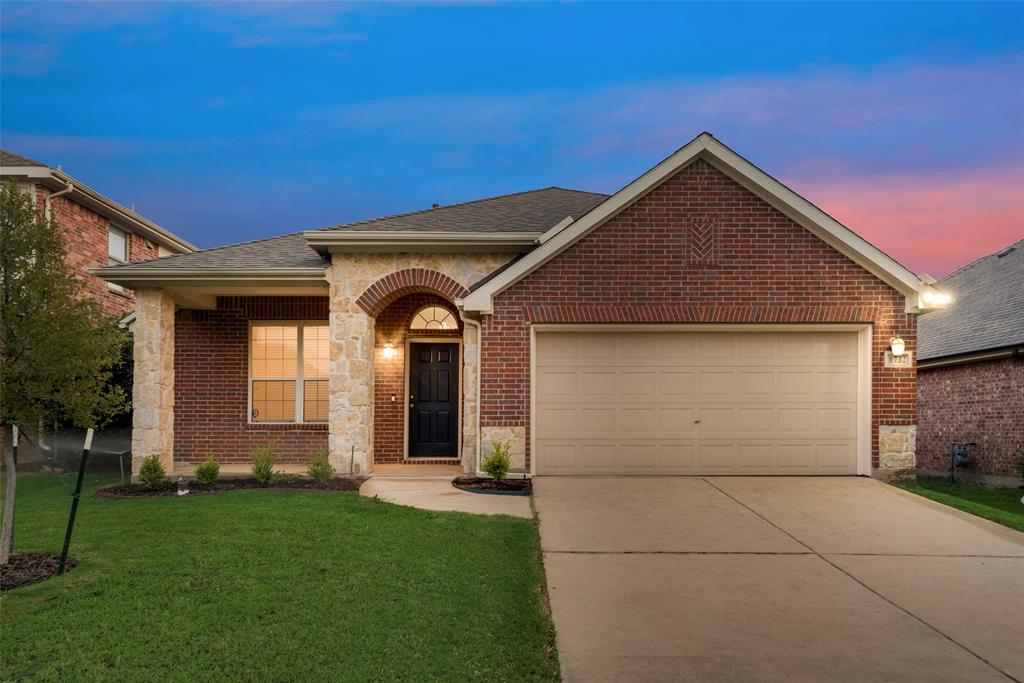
pixel 226 122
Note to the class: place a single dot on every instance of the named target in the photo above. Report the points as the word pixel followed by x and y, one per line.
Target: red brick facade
pixel 211 368
pixel 392 325
pixel 981 402
pixel 86 243
pixel 658 262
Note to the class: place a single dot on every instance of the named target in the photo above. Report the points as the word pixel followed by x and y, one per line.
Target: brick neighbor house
pixel 971 370
pixel 704 319
pixel 99 231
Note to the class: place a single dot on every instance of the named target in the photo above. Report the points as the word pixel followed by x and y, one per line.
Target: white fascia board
pixel 127 277
pixel 40 172
pixel 555 229
pixel 123 216
pixel 381 240
pixel 707 147
pixel 813 219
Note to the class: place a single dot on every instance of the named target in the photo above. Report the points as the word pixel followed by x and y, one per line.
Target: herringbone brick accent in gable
pixel 702 242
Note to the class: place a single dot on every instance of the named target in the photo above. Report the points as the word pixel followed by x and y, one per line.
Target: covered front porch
pixel 372 363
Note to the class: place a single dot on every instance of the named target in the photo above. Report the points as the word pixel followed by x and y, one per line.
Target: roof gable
pixel 747 175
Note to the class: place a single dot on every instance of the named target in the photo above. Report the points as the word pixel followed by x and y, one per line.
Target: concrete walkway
pixel 437 493
pixel 776 579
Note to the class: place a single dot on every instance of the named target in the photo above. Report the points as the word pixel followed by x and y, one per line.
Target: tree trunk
pixel 10 484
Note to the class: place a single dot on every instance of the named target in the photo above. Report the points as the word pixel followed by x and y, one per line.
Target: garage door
pixel 646 403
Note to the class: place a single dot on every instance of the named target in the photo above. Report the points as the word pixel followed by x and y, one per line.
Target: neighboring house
pixel 99 231
pixel 970 380
pixel 704 319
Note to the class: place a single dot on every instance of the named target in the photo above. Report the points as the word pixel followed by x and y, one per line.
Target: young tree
pixel 57 350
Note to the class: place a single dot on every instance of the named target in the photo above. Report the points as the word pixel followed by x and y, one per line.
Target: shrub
pixel 263 461
pixel 1020 462
pixel 277 478
pixel 498 463
pixel 206 473
pixel 320 469
pixel 152 474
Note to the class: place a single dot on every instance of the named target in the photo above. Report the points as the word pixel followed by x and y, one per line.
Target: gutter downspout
pixel 479 382
pixel 48 202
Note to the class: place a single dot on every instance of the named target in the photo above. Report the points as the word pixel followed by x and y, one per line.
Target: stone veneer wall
pixel 353 345
pixel 658 261
pixel 981 402
pixel 896 446
pixel 153 382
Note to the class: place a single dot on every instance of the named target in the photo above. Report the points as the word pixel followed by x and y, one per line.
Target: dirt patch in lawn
pixel 296 484
pixel 514 487
pixel 24 569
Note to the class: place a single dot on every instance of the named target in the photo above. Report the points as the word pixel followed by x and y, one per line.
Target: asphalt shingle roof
pixel 987 310
pixel 287 251
pixel 14 159
pixel 533 211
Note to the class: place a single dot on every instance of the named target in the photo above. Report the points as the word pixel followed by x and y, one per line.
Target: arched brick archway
pixel 385 290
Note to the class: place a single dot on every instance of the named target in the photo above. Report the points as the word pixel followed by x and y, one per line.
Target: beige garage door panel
pixel 696 402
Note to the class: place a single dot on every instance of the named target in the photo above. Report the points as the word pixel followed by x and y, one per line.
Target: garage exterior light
pixel 898 346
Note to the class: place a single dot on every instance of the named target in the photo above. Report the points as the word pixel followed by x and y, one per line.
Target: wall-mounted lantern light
pixel 897 346
pixel 931 298
pixel 389 351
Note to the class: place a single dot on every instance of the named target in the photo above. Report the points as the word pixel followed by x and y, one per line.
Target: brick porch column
pixel 350 417
pixel 153 387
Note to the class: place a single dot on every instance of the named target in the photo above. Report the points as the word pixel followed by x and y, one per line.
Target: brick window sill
pixel 289 427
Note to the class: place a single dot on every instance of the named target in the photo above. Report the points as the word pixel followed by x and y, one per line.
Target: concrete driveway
pixel 776 578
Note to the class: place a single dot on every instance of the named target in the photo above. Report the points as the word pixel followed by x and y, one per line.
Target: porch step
pixel 413 470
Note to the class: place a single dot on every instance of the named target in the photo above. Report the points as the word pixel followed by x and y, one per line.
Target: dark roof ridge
pixel 455 205
pixel 978 260
pixel 366 221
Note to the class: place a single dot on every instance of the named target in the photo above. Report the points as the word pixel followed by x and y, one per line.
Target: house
pixel 970 382
pixel 99 231
pixel 704 319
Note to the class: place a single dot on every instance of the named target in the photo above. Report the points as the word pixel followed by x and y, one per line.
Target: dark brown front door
pixel 433 400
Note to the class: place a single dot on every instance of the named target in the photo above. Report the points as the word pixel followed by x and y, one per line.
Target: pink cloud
pixel 930 224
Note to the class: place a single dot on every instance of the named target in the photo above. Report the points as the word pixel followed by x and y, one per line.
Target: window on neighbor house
pixel 289 367
pixel 433 318
pixel 117 251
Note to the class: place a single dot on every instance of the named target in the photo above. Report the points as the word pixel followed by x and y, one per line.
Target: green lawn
pixel 268 585
pixel 1000 505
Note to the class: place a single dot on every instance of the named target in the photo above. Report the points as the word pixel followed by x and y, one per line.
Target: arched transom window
pixel 433 318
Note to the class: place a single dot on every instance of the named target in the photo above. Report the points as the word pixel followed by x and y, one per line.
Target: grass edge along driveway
pixel 996 504
pixel 274 585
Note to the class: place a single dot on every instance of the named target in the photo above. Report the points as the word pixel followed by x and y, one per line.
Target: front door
pixel 433 400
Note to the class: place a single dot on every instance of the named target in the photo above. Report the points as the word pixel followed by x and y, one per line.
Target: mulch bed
pixel 521 487
pixel 28 568
pixel 297 484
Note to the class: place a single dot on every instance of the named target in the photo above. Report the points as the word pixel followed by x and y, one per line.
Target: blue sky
pixel 233 121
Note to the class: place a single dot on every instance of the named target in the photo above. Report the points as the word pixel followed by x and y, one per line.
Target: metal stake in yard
pixel 74 501
pixel 14 454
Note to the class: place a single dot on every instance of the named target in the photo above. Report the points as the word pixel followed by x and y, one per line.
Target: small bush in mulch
pixel 28 568
pixel 287 482
pixel 486 485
